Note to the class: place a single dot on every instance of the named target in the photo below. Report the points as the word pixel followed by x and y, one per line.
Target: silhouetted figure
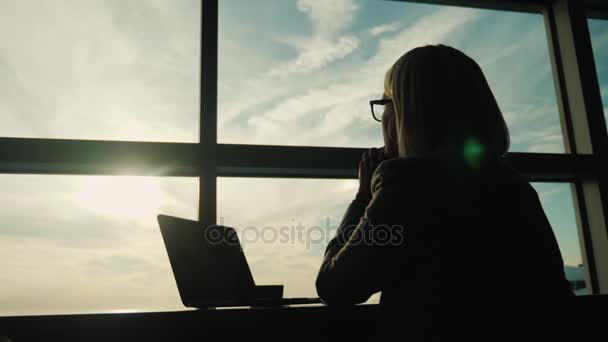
pixel 456 240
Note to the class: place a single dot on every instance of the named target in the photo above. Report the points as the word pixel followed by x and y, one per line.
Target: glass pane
pixel 312 67
pixel 109 70
pixel 599 40
pixel 285 234
pixel 76 244
pixel 557 202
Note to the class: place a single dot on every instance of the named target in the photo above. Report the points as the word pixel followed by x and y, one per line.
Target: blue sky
pixel 291 72
pixel 307 82
pixel 599 40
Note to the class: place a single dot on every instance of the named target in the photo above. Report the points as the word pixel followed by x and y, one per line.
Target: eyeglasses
pixel 377 107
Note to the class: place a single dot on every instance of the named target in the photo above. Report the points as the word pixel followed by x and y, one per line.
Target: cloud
pixel 328 19
pixel 298 199
pixel 106 260
pixel 119 264
pixel 334 112
pixel 275 261
pixel 317 54
pixel 112 71
pixel 534 127
pixel 599 34
pixel 325 45
pixel 41 278
pixel 438 27
pixel 351 91
pixel 385 28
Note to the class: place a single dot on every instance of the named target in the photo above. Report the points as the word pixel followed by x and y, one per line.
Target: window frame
pixel 579 104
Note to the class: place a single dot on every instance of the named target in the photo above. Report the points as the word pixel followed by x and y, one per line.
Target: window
pixel 95 239
pixel 75 244
pixel 557 201
pixel 599 39
pixel 296 75
pixel 310 71
pixel 107 70
pixel 285 233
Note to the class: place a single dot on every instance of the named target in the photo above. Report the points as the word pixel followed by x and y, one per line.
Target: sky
pixel 290 73
pixel 598 29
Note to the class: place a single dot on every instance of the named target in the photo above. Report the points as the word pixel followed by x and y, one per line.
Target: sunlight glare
pixel 121 196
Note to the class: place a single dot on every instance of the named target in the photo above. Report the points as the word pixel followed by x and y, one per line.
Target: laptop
pixel 211 270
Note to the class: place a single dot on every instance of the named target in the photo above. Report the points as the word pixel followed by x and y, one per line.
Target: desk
pixel 304 322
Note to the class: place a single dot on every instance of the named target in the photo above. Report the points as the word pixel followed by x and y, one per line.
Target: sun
pixel 121 196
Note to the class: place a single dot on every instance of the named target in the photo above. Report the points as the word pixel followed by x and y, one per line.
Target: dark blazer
pixel 457 249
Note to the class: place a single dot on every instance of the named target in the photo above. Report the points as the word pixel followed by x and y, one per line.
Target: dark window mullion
pixel 332 162
pixel 208 112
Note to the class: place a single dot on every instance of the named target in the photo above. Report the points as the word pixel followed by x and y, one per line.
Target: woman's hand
pixel 368 164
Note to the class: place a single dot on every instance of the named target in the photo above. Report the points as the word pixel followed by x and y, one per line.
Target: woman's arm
pixel 355 262
pixel 370 160
pixel 351 219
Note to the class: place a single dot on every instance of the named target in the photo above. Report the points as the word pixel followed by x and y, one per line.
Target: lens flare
pixel 473 152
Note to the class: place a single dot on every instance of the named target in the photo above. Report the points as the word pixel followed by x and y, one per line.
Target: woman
pixel 455 239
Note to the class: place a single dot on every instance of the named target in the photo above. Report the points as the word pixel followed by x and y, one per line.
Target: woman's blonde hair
pixel 442 100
